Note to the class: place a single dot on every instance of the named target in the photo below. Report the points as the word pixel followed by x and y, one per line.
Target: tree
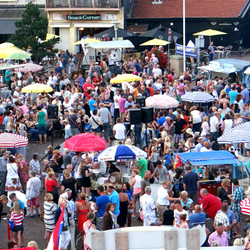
pixel 31 27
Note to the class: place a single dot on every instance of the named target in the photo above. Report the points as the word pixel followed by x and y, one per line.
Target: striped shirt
pixel 17 218
pixel 49 215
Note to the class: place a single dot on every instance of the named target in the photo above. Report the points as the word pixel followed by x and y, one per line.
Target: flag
pixel 178 161
pixel 57 233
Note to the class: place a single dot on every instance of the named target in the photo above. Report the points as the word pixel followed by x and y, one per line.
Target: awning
pixel 60 25
pixel 93 25
pixel 111 45
pixel 7 26
pixel 209 158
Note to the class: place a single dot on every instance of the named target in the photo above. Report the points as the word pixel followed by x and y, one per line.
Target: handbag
pixel 30 194
pixel 11 224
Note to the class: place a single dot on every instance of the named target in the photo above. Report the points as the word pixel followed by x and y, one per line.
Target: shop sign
pixel 190 52
pixel 83 17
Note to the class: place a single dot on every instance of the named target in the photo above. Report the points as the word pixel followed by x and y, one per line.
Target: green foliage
pixel 31 27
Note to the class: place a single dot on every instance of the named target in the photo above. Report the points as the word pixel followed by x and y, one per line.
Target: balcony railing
pixel 21 2
pixel 82 4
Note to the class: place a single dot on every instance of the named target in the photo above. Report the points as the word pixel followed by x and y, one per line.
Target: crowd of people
pixel 94 105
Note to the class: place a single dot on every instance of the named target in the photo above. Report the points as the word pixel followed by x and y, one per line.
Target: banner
pixel 190 52
pixel 24 248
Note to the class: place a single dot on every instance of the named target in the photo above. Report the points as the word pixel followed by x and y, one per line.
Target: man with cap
pixel 114 199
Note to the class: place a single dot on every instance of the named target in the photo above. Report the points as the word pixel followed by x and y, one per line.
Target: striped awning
pixel 8 140
pixel 197 97
pixel 238 134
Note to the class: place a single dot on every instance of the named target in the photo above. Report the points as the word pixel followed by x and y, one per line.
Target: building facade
pixel 11 11
pixel 74 19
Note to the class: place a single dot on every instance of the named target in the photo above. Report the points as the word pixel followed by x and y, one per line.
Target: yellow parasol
pixel 209 33
pixel 125 78
pixel 247 71
pixel 37 88
pixel 154 42
pixel 50 36
pixel 88 40
pixel 10 51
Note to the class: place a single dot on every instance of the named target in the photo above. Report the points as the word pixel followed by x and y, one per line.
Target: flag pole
pixel 184 35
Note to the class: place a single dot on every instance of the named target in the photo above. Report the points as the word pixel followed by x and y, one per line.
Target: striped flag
pixel 56 237
pixel 245 206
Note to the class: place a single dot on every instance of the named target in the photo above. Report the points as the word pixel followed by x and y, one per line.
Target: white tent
pixel 120 44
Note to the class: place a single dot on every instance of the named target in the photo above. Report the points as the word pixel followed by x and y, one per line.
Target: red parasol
pixel 245 206
pixel 85 142
pixel 8 140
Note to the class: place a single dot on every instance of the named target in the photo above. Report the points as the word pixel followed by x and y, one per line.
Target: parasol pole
pixel 184 36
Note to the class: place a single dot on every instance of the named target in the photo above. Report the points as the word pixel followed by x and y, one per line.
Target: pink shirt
pixel 121 103
pixel 222 240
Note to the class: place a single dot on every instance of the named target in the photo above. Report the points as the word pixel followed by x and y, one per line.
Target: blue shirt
pixel 232 95
pixel 190 180
pixel 197 218
pixel 245 92
pixel 161 120
pixel 101 203
pixel 20 203
pixel 91 103
pixel 114 199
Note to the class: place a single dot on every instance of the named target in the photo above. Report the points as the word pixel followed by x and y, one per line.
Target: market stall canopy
pixel 51 36
pixel 88 40
pixel 161 32
pixel 155 42
pixel 4 66
pixel 37 88
pixel 226 66
pixel 209 158
pixel 209 32
pixel 197 97
pixel 110 33
pixel 122 44
pixel 8 140
pixel 238 134
pixel 86 142
pixel 161 102
pixel 125 78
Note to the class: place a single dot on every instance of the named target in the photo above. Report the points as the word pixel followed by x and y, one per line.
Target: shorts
pixel 97 130
pixel 42 130
pixel 17 228
pixel 178 137
pixel 137 196
pixel 237 216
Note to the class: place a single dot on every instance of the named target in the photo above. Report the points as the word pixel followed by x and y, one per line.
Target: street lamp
pixel 184 35
pixel 116 23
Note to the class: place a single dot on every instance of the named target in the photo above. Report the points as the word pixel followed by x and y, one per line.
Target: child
pixel 182 221
pixel 17 217
pixel 154 155
pixel 87 225
pixel 135 182
pixel 167 157
pixel 67 130
pixel 87 126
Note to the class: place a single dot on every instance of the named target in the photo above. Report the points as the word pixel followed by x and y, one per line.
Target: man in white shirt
pixel 52 79
pixel 148 207
pixel 178 211
pixel 119 132
pixel 206 147
pixel 156 71
pixel 111 59
pixel 163 199
pixel 214 129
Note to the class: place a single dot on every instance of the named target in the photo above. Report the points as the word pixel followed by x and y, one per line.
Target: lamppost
pixel 115 28
pixel 184 35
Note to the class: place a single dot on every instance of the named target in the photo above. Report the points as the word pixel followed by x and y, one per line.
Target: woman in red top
pixel 51 186
pixel 82 208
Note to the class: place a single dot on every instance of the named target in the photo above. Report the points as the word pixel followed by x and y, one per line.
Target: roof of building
pixel 194 8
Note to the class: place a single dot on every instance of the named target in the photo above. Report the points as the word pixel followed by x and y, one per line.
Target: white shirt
pixel 147 204
pixel 196 116
pixel 213 122
pixel 116 98
pixel 177 214
pixel 111 59
pixel 156 72
pixel 162 193
pixel 52 80
pixel 119 128
pixel 36 183
pixel 204 149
